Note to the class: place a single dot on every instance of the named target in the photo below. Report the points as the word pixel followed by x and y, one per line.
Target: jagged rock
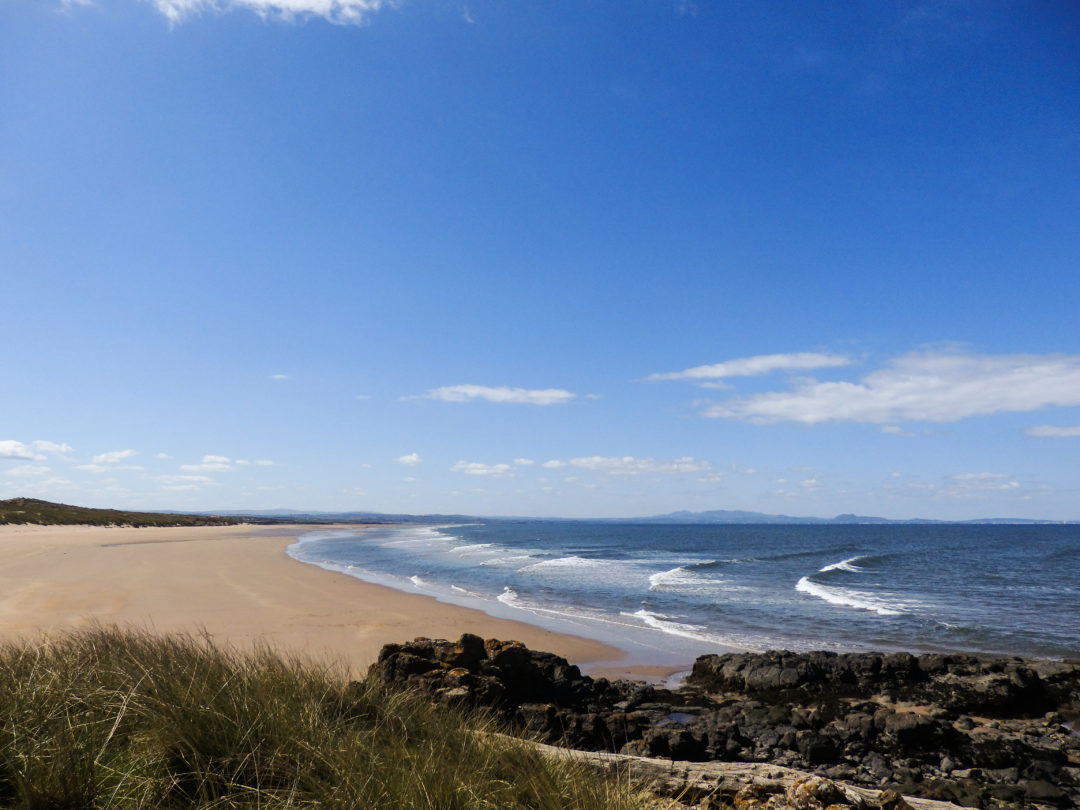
pixel 976 731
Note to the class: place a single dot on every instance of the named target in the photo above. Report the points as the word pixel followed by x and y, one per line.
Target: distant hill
pixel 31 510
pixel 711 517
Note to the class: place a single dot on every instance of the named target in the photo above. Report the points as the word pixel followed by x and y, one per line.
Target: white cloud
pixel 408 479
pixel 28 471
pixel 982 482
pixel 922 386
pixel 263 462
pixel 465 393
pixel 242 462
pixel 628 465
pixel 410 460
pixel 163 456
pixel 13 449
pixel 712 478
pixel 52 447
pixel 186 479
pixel 279 377
pixel 1053 431
pixel 209 464
pixel 113 456
pixel 753 366
pixel 106 468
pixel 477 468
pixel 352 12
pixel 46 486
pixel 523 462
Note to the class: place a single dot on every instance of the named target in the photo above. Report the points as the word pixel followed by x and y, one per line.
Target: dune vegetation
pixel 32 510
pixel 110 718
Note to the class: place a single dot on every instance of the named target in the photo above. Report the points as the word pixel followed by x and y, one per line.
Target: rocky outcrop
pixel 961 684
pixel 975 731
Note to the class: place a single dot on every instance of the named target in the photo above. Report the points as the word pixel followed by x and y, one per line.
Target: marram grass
pixel 109 718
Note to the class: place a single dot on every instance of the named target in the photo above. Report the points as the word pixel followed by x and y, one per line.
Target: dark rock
pixel 1041 791
pixel 897 719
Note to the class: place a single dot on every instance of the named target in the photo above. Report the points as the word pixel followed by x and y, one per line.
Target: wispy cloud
pixel 477 468
pixel 209 464
pixel 967 483
pixel 186 480
pixel 1053 431
pixel 52 448
pixel 628 465
pixel 411 460
pixel 350 12
pixel 279 377
pixel 753 366
pixel 922 386
pixel 113 456
pixel 466 393
pixel 28 471
pixel 896 430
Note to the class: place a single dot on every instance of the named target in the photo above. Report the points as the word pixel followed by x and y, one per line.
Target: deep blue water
pixel 670 592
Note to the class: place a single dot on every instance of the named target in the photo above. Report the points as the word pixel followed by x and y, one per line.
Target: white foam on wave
pixel 851 598
pixel 573 561
pixel 472 547
pixel 510 597
pixel 845 565
pixel 697 632
pixel 467 592
pixel 415 537
pixel 512 559
pixel 419 583
pixel 680 577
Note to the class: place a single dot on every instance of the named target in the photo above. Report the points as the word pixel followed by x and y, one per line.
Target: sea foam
pixel 851 598
pixel 681 578
pixel 845 565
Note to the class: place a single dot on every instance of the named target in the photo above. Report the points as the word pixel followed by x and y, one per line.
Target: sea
pixel 664 594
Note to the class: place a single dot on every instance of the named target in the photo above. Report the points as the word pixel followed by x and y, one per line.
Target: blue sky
pixel 588 258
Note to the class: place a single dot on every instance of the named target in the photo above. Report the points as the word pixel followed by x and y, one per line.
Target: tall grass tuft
pixel 110 718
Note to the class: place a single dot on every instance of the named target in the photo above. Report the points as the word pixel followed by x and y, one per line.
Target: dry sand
pixel 235 583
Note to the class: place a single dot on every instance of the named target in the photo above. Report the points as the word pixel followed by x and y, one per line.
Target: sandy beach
pixel 235 583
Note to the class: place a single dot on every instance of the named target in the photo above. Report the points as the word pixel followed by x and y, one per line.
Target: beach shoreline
pixel 237 585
